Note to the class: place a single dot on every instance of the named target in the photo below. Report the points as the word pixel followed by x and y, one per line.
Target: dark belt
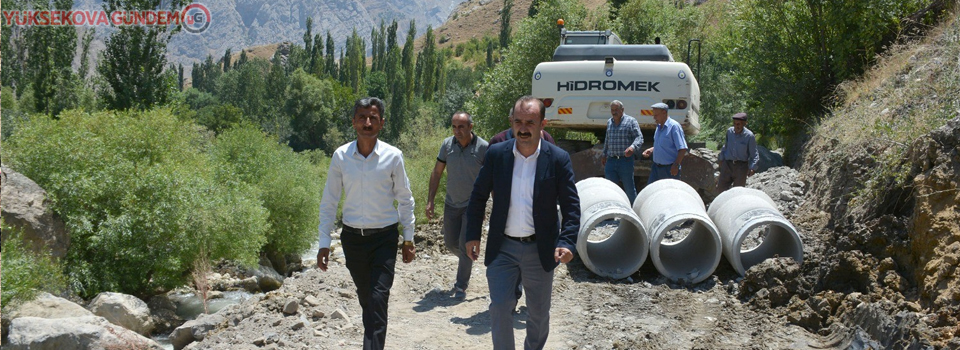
pixel 736 161
pixel 530 238
pixel 368 231
pixel 662 165
pixel 617 157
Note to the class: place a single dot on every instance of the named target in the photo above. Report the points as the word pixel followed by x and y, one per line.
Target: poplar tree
pixel 134 58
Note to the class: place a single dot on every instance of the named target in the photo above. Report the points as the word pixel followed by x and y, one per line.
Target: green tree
pixel 428 75
pixel 246 88
pixel 316 109
pixel 225 61
pixel 797 52
pixel 330 65
pixel 534 43
pixel 407 61
pixel 505 15
pixel 132 63
pixel 138 194
pixel 353 66
pixel 242 60
pixel 316 56
pixel 287 184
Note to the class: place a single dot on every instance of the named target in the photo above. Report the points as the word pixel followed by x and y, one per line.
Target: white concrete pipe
pixel 603 203
pixel 667 205
pixel 740 211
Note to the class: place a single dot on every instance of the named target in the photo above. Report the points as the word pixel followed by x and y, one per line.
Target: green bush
pixel 24 272
pixel 288 184
pixel 139 196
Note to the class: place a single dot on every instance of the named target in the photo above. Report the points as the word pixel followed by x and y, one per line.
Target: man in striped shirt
pixel 623 140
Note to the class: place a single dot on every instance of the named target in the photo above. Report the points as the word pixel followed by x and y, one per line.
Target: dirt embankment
pixel 882 205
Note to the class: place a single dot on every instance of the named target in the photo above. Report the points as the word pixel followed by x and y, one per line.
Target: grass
pixel 911 91
pixel 26 272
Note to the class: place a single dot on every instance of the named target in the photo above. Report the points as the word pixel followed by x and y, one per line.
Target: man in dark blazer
pixel 529 179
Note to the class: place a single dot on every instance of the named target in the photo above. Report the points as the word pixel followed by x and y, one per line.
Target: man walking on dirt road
pixel 371 175
pixel 461 155
pixel 622 141
pixel 526 239
pixel 739 156
pixel 669 146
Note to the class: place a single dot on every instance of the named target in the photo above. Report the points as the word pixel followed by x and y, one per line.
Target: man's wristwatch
pixel 407 243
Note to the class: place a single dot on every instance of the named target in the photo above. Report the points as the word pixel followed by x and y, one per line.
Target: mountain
pixel 237 24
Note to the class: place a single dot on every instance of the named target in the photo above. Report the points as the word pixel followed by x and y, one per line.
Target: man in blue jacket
pixel 530 178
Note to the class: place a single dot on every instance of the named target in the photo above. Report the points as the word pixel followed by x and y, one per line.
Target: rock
pixel 124 310
pixel 87 332
pixel 768 159
pixel 50 307
pixel 771 281
pixel 318 314
pixel 24 206
pixel 164 314
pixel 250 284
pixel 291 307
pixel 339 314
pixel 267 278
pixel 311 301
pixel 195 330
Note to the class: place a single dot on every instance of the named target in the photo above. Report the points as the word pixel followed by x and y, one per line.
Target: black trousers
pixel 371 261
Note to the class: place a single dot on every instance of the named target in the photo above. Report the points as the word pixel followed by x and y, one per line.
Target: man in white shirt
pixel 371 175
pixel 527 239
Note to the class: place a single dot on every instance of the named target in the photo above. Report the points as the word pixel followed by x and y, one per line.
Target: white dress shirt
pixel 520 214
pixel 370 185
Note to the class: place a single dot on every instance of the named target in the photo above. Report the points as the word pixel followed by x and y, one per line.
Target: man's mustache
pixel 524 134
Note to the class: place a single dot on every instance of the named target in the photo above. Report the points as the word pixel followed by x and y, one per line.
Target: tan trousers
pixel 732 173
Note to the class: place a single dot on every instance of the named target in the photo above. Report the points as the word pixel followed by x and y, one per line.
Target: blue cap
pixel 660 105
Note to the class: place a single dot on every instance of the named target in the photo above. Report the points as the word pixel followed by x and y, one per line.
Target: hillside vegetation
pixel 246 141
pixel 883 170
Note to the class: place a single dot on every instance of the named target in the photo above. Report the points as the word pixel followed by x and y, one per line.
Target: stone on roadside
pixel 291 307
pixel 195 330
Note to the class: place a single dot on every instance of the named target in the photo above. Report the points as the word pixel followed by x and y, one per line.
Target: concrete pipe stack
pixel 671 207
pixel 604 206
pixel 740 212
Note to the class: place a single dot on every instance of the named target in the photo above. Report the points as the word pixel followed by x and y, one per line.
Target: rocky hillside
pixel 882 176
pixel 240 24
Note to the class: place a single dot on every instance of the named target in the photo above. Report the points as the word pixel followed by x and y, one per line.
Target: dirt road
pixel 589 312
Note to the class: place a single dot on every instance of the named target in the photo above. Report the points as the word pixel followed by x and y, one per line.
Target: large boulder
pixel 87 332
pixel 768 159
pixel 24 206
pixel 49 306
pixel 164 314
pixel 124 310
pixel 195 330
pixel 44 305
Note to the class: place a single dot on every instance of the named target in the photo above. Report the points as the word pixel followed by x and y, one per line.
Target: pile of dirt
pixel 783 185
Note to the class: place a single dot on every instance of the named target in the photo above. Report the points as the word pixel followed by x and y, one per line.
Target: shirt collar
pixel 473 141
pixel 355 149
pixel 516 152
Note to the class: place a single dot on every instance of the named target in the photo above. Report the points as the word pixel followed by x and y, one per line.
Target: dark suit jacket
pixel 554 183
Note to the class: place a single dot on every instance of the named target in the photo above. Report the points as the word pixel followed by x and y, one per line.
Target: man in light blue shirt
pixel 669 146
pixel 739 156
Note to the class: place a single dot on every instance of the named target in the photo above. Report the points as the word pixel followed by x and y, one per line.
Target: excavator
pixel 592 68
